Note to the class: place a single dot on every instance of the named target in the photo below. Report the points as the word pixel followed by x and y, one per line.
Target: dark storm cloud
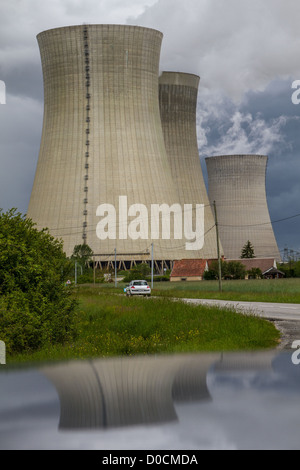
pixel 263 123
pixel 235 46
pixel 283 173
pixel 25 81
pixel 21 126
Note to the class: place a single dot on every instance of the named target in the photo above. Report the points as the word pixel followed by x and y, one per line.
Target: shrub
pixel 254 273
pixel 35 305
pixel 235 270
pixel 229 270
pixel 141 271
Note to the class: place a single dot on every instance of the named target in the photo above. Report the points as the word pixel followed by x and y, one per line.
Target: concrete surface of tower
pixel 102 139
pixel 238 185
pixel 178 93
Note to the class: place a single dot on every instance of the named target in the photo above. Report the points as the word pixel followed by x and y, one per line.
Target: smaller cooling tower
pixel 238 185
pixel 178 106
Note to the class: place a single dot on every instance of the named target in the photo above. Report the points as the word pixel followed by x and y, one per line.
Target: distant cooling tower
pixel 238 185
pixel 103 165
pixel 178 105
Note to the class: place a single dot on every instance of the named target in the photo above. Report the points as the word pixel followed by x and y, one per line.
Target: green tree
pixel 235 270
pixel 247 250
pixel 297 269
pixel 254 273
pixel 213 272
pixel 210 275
pixel 82 253
pixel 141 271
pixel 229 269
pixel 288 269
pixel 35 305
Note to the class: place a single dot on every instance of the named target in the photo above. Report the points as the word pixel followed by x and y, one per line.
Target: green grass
pixel 264 290
pixel 114 325
pixel 261 290
pixel 273 290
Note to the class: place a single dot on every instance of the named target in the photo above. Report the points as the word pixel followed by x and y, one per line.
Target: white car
pixel 138 288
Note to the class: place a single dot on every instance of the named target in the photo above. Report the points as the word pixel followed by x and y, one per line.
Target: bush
pixel 254 273
pixel 229 269
pixel 162 278
pixel 290 269
pixel 141 271
pixel 35 305
pixel 210 275
pixel 234 270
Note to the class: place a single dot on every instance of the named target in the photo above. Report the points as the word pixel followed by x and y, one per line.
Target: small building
pixel 194 269
pixel 273 273
pixel 189 270
pixel 268 266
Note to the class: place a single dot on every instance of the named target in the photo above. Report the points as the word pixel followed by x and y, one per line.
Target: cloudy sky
pixel 246 53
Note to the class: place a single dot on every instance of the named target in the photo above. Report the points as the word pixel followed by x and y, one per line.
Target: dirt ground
pixel 290 331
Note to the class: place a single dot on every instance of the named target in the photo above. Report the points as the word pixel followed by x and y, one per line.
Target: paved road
pixel 272 311
pixel 286 317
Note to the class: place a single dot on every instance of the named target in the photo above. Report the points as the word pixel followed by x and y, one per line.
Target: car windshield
pixel 140 283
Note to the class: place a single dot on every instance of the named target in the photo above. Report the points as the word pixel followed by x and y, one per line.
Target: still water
pixel 191 401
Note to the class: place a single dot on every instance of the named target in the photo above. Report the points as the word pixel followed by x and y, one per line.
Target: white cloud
pixel 22 20
pixel 235 46
pixel 245 135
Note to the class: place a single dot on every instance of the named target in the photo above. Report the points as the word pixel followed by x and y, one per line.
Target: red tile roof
pixel 188 268
pixel 196 267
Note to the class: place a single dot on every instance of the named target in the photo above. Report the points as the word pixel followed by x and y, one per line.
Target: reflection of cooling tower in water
pixel 106 393
pixel 238 185
pixel 112 393
pixel 102 140
pixel 245 362
pixel 178 105
pixel 2 92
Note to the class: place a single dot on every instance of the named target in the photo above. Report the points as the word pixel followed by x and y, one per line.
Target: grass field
pixel 261 290
pixel 109 324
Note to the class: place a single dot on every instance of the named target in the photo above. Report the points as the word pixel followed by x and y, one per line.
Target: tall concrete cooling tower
pixel 238 185
pixel 178 94
pixel 103 165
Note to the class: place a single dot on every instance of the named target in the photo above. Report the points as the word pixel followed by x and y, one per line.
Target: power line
pixel 265 223
pixel 122 225
pixel 119 226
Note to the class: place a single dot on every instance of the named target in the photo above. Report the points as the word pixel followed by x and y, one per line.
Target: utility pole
pixel 218 248
pixel 115 267
pixel 151 265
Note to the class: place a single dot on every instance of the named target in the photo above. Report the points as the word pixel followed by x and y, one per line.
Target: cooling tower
pixel 178 94
pixel 103 166
pixel 116 392
pixel 238 185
